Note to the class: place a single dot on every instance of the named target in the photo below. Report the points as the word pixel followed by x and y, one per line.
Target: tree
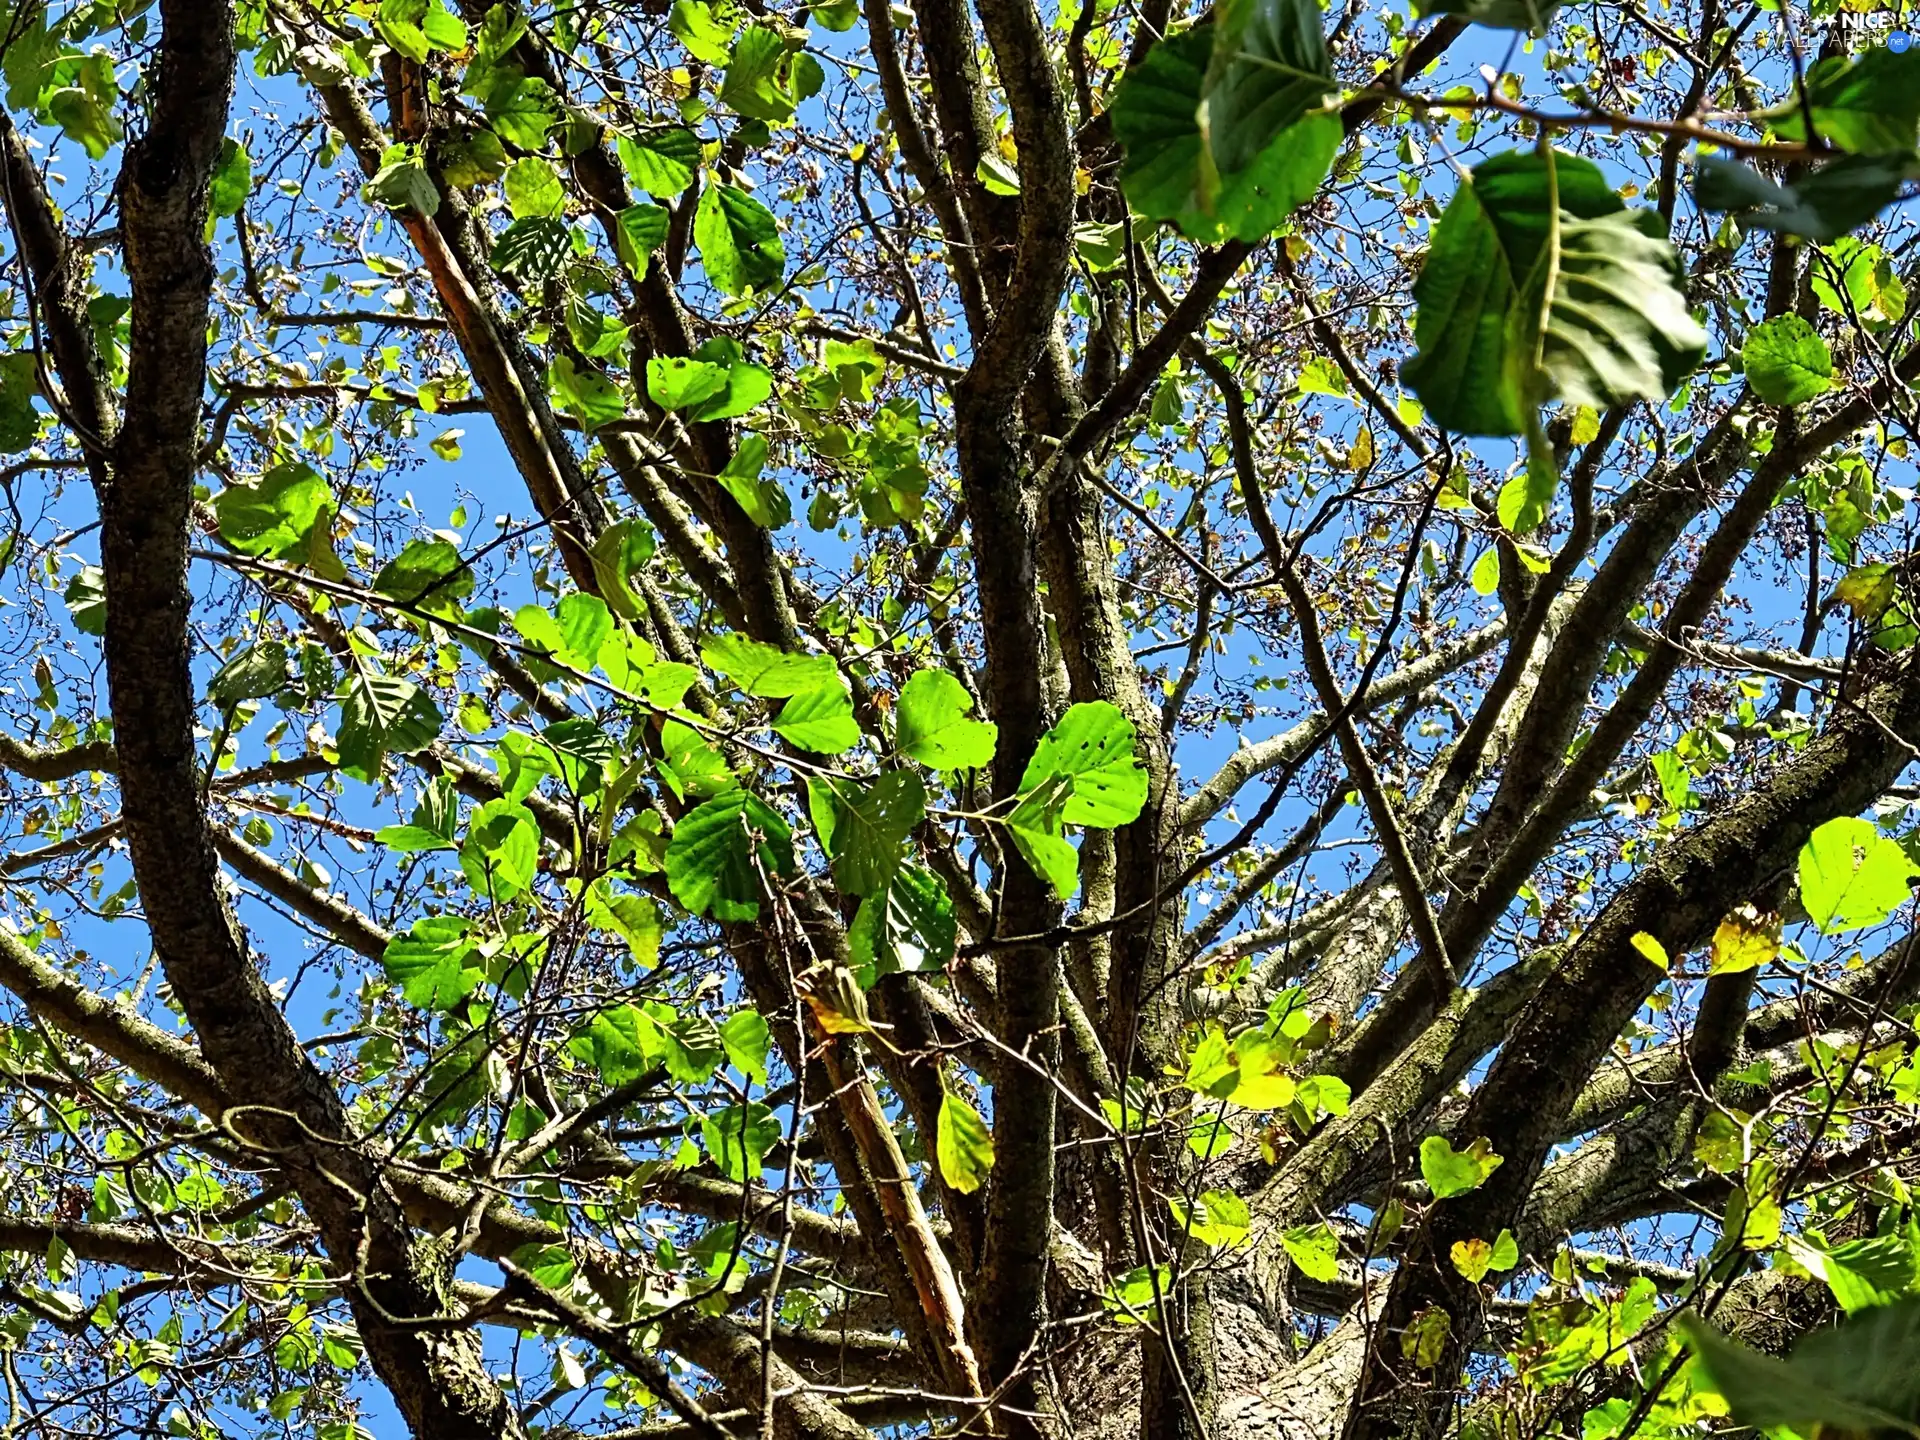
pixel 1304 837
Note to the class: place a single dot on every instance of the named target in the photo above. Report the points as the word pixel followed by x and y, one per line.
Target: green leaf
pixel 1519 304
pixel 676 383
pixel 1863 1273
pixel 1838 197
pixel 765 79
pixel 86 109
pixel 764 671
pixel 536 249
pixel 1035 827
pixel 1852 876
pixel 660 162
pixel 1327 1093
pixel 764 501
pixel 1866 105
pixel 258 670
pixel 428 575
pixel 1224 126
pixel 574 634
pixel 502 849
pixel 382 713
pixel 1092 746
pixel 747 385
pixel 836 15
pixel 1617 323
pixel 738 1139
pixel 1786 361
pixel 692 766
pixel 1867 590
pixel 718 850
pixel 962 1145
pixel 621 552
pixel 402 182
pixel 1857 280
pixel 521 111
pixel 86 597
pixel 706 39
pixel 997 175
pixel 1221 1221
pixel 534 190
pixel 472 159
pixel 638 231
pixel 739 241
pixel 690 1044
pixel 1506 1252
pixel 1530 15
pixel 747 1041
pixel 820 720
pixel 585 394
pixel 19 383
pixel 866 826
pixel 1314 1250
pixel 232 179
pixel 1860 1376
pixel 428 963
pixel 411 839
pixel 908 926
pixel 1449 1172
pixel 1526 499
pixel 933 724
pixel 277 517
pixel 622 1044
pixel 415 28
pixel 634 918
pixel 500 31
pixel 1485 575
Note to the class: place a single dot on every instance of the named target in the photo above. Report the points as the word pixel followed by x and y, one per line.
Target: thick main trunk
pixel 1264 1388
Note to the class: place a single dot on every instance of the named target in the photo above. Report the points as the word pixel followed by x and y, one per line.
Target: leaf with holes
pixel 934 724
pixel 739 240
pixel 864 828
pixel 908 925
pixel 1092 749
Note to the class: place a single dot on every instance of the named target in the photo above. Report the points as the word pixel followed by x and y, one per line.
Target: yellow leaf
pixel 1651 948
pixel 1745 940
pixel 1361 455
pixel 1471 1258
pixel 1263 1084
pixel 839 1007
